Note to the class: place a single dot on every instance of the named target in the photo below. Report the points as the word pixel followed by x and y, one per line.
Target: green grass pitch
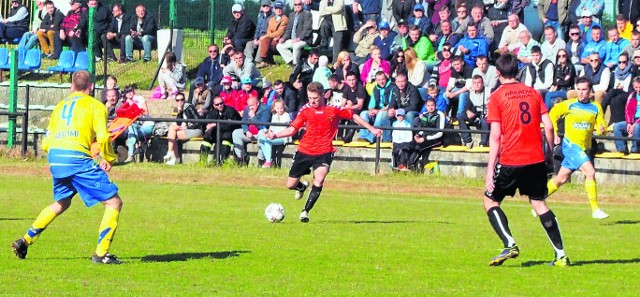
pixel 193 231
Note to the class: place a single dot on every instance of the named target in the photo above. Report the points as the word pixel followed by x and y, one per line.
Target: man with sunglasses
pixel 297 34
pixel 586 25
pixel 575 47
pixel 262 23
pixel 210 70
pixel 220 111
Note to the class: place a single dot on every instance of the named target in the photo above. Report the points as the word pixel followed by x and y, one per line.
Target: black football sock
pixel 550 225
pixel 500 225
pixel 300 187
pixel 314 194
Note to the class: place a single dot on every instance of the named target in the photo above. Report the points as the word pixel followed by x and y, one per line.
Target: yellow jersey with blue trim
pixel 580 120
pixel 75 123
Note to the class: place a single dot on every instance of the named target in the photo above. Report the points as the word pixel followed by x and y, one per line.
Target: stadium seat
pixel 81 63
pixel 32 60
pixel 66 61
pixel 21 54
pixel 4 56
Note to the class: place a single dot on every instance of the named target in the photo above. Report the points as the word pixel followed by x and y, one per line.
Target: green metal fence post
pixel 91 43
pixel 212 29
pixel 13 98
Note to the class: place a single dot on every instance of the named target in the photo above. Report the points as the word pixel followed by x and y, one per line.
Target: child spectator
pixel 279 116
pixel 321 74
pixel 401 140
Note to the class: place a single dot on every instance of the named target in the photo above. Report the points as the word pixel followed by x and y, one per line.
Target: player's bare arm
pixel 375 131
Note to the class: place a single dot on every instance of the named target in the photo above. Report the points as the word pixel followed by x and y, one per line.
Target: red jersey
pixel 519 109
pixel 322 126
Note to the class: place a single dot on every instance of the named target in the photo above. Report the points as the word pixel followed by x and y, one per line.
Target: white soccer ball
pixel 274 212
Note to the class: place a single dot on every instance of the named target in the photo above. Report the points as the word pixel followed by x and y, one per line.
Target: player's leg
pixel 552 228
pixel 107 230
pixel 63 191
pixel 560 179
pixel 321 165
pixel 590 186
pixel 504 184
pixel 299 167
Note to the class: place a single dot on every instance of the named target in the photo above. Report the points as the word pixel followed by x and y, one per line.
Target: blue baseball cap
pixel 246 80
pixel 418 7
pixel 278 4
pixel 383 25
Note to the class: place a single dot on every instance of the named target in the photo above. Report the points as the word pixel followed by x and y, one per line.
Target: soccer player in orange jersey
pixel 517 160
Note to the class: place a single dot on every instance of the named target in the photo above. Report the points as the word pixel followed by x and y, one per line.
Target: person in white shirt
pixel 401 140
pixel 510 35
pixel 487 72
pixel 552 44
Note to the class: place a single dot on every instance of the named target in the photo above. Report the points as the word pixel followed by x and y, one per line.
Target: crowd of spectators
pixel 392 60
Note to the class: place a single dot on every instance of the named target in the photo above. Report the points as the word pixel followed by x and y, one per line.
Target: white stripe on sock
pixel 559 252
pixel 511 241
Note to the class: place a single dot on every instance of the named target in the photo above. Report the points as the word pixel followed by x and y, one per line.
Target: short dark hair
pixel 507 65
pixel 381 73
pixel 477 76
pixel 457 59
pixel 315 87
pixel 314 52
pixel 621 17
pixel 536 49
pixel 636 80
pixel 351 73
pixel 596 27
pixel 472 24
pixel 584 80
pixel 81 81
pixel 552 28
pixel 277 82
pixel 414 28
pixel 333 77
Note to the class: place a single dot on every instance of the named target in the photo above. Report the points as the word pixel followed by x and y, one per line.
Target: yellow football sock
pixel 551 187
pixel 107 230
pixel 590 186
pixel 42 221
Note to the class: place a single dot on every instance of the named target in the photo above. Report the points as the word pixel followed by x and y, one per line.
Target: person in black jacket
pixel 302 76
pixel 220 112
pixel 49 27
pixel 16 24
pixel 116 33
pixel 210 70
pixel 630 9
pixel 404 95
pixel 289 96
pixel 181 130
pixel 102 18
pixel 142 33
pixel 241 29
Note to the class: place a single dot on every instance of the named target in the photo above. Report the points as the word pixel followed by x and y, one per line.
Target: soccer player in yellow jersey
pixel 581 116
pixel 75 122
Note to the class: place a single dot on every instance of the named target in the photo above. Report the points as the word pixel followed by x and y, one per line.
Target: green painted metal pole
pixel 212 29
pixel 13 98
pixel 172 13
pixel 92 42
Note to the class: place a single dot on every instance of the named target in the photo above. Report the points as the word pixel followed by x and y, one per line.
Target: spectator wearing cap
pixel 172 77
pixel 226 91
pixel 554 13
pixel 596 45
pixel 595 7
pixel 241 67
pixel 402 9
pixel 367 9
pixel 420 19
pixel 364 38
pixel 384 40
pixel 143 31
pixel 241 29
pixel 261 29
pixel 322 73
pixel 201 97
pixel 297 34
pixel 333 24
pixel 69 31
pixel 275 29
pixel 401 140
pixel 634 45
pixel 17 22
pixel 400 41
pixel 268 93
pixel 614 48
pixel 245 92
pixel 422 45
pixel 586 25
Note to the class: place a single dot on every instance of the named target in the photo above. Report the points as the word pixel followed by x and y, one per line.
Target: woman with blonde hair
pixel 369 69
pixel 279 116
pixel 416 71
pixel 343 65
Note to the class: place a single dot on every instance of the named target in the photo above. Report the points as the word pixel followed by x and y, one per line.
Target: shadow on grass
pixel 378 222
pixel 191 256
pixel 624 222
pixel 589 262
pixel 14 219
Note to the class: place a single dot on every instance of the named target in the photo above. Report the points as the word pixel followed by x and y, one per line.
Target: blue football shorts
pixel 91 182
pixel 574 156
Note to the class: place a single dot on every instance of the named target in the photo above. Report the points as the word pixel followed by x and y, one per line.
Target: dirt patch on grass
pixel 412 185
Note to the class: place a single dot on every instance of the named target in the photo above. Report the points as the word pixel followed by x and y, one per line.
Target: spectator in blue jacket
pixel 614 48
pixel 586 25
pixel 472 45
pixel 261 29
pixel 596 45
pixel 367 10
pixel 420 19
pixel 210 70
pixel 254 112
pixel 384 40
